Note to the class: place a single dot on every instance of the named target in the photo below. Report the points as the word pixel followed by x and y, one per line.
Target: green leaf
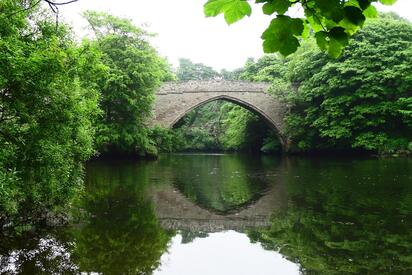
pixel 322 40
pixel 314 23
pixel 333 41
pixel 335 48
pixel 370 12
pixel 280 35
pixel 278 6
pixel 237 11
pixel 388 2
pixel 354 15
pixel 364 4
pixel 330 9
pixel 213 8
pixel 306 29
pixel 233 10
pixel 268 8
pixel 339 35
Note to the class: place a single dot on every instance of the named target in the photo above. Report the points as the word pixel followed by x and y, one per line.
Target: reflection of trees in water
pixel 122 235
pixel 221 183
pixel 346 218
pixel 131 244
pixel 38 255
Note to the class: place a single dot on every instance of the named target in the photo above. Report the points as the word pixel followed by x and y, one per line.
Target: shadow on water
pixel 324 215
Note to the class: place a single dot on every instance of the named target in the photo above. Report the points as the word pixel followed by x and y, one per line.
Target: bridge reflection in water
pixel 175 211
pixel 221 192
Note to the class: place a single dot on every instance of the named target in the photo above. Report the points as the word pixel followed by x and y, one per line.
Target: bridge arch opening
pixel 260 115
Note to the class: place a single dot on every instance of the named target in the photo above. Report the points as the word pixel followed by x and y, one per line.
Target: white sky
pixel 227 252
pixel 183 30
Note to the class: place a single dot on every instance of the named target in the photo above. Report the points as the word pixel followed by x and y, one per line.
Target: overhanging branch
pixel 54 6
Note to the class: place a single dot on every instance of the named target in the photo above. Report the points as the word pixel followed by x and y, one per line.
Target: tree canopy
pixel 360 100
pixel 188 70
pixel 134 71
pixel 47 104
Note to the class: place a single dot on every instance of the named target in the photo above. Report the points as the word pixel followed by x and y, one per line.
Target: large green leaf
pixel 354 15
pixel 370 12
pixel 333 41
pixel 281 34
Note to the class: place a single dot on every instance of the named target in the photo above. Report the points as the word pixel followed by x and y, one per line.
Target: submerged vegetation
pixel 62 102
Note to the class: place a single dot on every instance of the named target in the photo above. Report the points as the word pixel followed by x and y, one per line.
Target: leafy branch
pixel 332 21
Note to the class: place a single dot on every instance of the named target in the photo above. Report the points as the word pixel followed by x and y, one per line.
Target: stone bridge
pixel 175 99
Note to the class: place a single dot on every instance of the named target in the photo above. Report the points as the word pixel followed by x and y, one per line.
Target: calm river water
pixel 195 214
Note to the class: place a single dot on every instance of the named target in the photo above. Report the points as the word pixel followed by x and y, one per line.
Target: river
pixel 229 214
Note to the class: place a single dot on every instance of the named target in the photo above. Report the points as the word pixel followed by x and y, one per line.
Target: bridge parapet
pixel 213 86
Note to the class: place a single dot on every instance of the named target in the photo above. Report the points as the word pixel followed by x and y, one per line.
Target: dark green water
pixel 230 214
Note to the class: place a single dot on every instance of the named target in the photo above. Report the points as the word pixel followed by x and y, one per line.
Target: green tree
pixel 360 100
pixel 268 68
pixel 231 75
pixel 332 21
pixel 134 72
pixel 47 105
pixel 188 70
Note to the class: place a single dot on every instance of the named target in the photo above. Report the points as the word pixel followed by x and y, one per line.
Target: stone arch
pixel 175 99
pixel 236 101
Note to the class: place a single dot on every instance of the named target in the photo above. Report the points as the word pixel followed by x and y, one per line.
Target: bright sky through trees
pixel 183 31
